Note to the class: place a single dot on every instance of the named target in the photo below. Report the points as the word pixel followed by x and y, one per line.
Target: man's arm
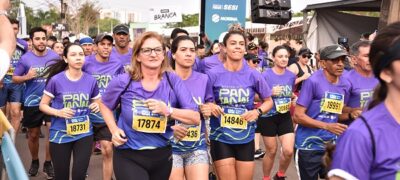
pixel 7 37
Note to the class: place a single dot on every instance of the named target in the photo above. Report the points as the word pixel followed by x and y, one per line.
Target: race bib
pixel 10 71
pixel 232 119
pixel 193 134
pixel 282 105
pixel 333 103
pixel 146 121
pixel 77 125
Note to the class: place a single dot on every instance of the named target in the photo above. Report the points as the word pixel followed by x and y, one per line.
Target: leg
pixel 107 151
pixel 223 156
pixel 244 160
pixel 287 142
pixel 61 155
pixel 47 141
pixel 33 142
pixel 196 165
pixel 308 164
pixel 257 141
pixel 177 172
pixel 15 115
pixel 244 170
pixel 225 169
pixel 268 160
pixel 82 150
pixel 127 168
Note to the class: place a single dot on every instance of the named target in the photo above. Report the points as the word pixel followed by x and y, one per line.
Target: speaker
pixel 268 16
pixel 271 4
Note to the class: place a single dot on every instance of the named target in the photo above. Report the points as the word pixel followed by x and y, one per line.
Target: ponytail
pixel 380 93
pixel 53 69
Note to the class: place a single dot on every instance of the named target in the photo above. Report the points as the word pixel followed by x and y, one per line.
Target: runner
pixel 369 149
pixel 149 95
pixel 58 48
pixel 321 100
pixel 301 68
pixel 71 131
pixel 11 92
pixel 278 122
pixel 87 45
pixel 233 122
pixel 121 50
pixel 29 70
pixel 190 156
pixel 361 78
pixel 104 68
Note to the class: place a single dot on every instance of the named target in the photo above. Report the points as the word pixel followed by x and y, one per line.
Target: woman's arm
pixel 44 106
pixel 118 135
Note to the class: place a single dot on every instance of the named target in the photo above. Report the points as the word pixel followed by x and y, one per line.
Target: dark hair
pixel 54 44
pixel 14 21
pixel 52 38
pixel 200 46
pixel 249 36
pixel 263 44
pixel 277 48
pixel 380 48
pixel 176 31
pixel 36 29
pixel 59 65
pixel 174 47
pixel 230 33
pixel 209 52
pixel 355 48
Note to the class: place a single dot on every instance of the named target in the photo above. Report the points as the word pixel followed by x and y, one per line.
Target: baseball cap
pixel 332 52
pixel 102 36
pixel 251 46
pixel 85 40
pixel 304 51
pixel 120 28
pixel 250 56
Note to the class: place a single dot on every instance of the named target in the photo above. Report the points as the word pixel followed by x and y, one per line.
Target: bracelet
pixel 350 118
pixel 3 12
pixel 259 111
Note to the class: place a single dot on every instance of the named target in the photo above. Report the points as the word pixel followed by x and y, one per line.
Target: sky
pixel 188 6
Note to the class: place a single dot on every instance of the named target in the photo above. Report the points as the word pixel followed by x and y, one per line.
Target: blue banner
pixel 220 14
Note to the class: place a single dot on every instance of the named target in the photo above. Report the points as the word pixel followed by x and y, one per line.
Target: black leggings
pixel 61 157
pixel 154 164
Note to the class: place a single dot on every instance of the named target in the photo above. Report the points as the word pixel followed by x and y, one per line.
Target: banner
pixel 166 14
pixel 220 14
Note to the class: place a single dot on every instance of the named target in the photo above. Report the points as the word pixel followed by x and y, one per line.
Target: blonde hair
pixel 135 69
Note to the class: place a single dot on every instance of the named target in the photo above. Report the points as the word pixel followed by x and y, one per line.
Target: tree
pixel 107 24
pixel 89 14
pixel 187 21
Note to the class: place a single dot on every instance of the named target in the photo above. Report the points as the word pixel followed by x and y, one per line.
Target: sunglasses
pixel 255 61
pixel 306 56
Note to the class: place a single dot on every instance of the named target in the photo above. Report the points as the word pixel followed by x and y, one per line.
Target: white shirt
pixel 4 63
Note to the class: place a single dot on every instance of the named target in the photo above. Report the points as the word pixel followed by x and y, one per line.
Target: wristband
pixel 350 118
pixel 259 111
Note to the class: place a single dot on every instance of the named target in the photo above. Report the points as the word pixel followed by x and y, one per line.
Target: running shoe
pixel 34 169
pixel 276 177
pixel 48 170
pixel 259 154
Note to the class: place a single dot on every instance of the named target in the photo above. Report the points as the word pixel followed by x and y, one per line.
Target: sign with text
pixel 220 14
pixel 166 14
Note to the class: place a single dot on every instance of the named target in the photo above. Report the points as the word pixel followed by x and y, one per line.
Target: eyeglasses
pixel 147 51
pixel 306 56
pixel 255 61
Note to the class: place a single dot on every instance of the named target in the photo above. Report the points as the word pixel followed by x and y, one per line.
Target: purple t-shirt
pixel 234 92
pixel 353 155
pixel 21 49
pixel 103 72
pixel 34 88
pixel 362 89
pixel 210 62
pixel 315 92
pixel 132 101
pixel 285 80
pixel 197 85
pixel 70 94
pixel 125 59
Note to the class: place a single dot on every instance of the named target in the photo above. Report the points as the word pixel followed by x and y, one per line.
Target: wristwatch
pixel 3 12
pixel 259 111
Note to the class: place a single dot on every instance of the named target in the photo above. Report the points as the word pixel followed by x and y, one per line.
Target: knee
pixel 15 113
pixel 287 152
pixel 33 135
pixel 106 151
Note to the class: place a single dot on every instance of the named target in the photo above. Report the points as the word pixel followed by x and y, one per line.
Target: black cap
pixel 102 36
pixel 120 28
pixel 251 46
pixel 304 51
pixel 332 52
pixel 250 56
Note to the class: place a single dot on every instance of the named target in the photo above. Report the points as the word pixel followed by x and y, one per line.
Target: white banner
pixel 165 14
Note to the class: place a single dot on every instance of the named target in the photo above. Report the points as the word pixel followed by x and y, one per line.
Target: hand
pixel 277 90
pixel 157 106
pixel 355 113
pixel 180 132
pixel 250 115
pixel 205 110
pixel 94 107
pixel 66 113
pixel 118 137
pixel 31 73
pixel 4 5
pixel 216 111
pixel 336 128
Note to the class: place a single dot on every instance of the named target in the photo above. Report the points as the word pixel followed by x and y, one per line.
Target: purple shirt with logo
pixel 235 90
pixel 353 155
pixel 34 88
pixel 21 49
pixel 178 97
pixel 362 89
pixel 312 96
pixel 103 72
pixel 76 95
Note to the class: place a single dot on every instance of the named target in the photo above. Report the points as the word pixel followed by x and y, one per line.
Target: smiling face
pixel 185 54
pixel 75 57
pixel 151 54
pixel 104 48
pixel 39 41
pixel 235 47
pixel 281 58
